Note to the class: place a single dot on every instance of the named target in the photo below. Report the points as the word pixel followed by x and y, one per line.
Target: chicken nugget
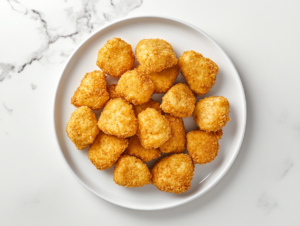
pixel 173 173
pixel 177 142
pixel 136 149
pixel 112 91
pixel 106 150
pixel 179 101
pixel 199 72
pixel 115 57
pixel 131 172
pixel 211 113
pixel 82 127
pixel 203 147
pixel 118 119
pixel 155 55
pixel 150 104
pixel 92 91
pixel 163 80
pixel 153 129
pixel 135 87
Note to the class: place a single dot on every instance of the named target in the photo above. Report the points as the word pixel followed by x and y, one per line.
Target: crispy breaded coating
pixel 173 173
pixel 203 147
pixel 115 57
pixel 155 55
pixel 153 128
pixel 163 80
pixel 118 119
pixel 92 91
pixel 150 104
pixel 177 142
pixel 82 127
pixel 131 172
pixel 211 113
pixel 136 149
pixel 106 150
pixel 179 101
pixel 199 72
pixel 135 87
pixel 112 91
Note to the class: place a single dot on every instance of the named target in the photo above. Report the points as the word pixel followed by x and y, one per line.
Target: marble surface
pixel 262 39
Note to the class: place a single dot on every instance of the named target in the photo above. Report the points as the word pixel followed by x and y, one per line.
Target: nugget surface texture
pixel 173 173
pixel 179 101
pixel 177 142
pixel 150 104
pixel 115 57
pixel 131 172
pixel 199 72
pixel 136 149
pixel 118 119
pixel 106 150
pixel 92 91
pixel 203 147
pixel 163 80
pixel 153 129
pixel 135 87
pixel 211 113
pixel 82 127
pixel 155 55
pixel 112 91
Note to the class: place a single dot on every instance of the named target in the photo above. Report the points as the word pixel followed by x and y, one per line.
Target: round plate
pixel 183 37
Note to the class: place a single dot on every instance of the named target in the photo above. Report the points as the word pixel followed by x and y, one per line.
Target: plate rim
pixel 228 165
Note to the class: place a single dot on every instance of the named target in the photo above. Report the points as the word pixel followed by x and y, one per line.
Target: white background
pixel 261 37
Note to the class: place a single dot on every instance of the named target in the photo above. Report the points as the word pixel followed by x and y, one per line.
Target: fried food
pixel 179 101
pixel 131 172
pixel 150 104
pixel 163 80
pixel 153 129
pixel 135 87
pixel 211 113
pixel 203 147
pixel 199 72
pixel 115 57
pixel 136 149
pixel 112 91
pixel 177 142
pixel 155 55
pixel 173 173
pixel 82 127
pixel 118 119
pixel 106 150
pixel 92 91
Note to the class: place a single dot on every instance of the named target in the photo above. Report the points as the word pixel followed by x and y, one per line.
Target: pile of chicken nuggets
pixel 133 129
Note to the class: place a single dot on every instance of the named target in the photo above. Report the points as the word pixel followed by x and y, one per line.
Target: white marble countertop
pixel 262 39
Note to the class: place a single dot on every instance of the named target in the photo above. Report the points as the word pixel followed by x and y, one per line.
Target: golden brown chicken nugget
pixel 153 129
pixel 203 147
pixel 163 80
pixel 112 91
pixel 106 150
pixel 118 119
pixel 155 55
pixel 82 127
pixel 135 87
pixel 92 91
pixel 115 57
pixel 177 142
pixel 179 101
pixel 199 72
pixel 136 149
pixel 173 173
pixel 150 104
pixel 211 113
pixel 131 172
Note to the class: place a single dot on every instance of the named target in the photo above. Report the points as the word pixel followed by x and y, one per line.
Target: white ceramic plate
pixel 183 37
